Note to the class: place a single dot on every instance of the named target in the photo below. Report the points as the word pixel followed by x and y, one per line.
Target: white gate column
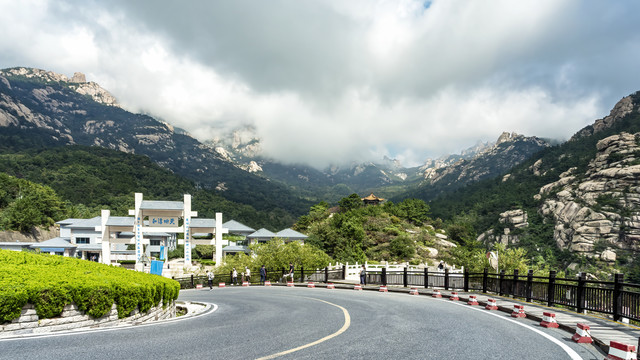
pixel 219 232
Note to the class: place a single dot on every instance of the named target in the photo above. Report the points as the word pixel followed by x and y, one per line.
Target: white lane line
pixel 572 353
pixel 75 332
pixel 347 323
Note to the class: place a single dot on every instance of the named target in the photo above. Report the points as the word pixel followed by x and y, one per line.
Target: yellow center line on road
pixel 347 323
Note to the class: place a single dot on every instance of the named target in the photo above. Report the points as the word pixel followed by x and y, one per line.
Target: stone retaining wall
pixel 71 318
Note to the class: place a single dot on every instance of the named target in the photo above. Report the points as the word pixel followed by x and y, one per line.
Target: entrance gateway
pixel 151 216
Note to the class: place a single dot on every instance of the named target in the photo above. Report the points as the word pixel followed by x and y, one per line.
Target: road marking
pixel 347 323
pixel 572 353
pixel 211 309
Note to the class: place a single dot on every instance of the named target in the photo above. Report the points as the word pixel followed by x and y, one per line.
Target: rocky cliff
pixel 598 212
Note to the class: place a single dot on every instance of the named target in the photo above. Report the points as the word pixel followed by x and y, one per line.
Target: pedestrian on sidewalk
pixel 234 276
pixel 290 271
pixel 363 275
pixel 247 274
pixel 263 275
pixel 210 277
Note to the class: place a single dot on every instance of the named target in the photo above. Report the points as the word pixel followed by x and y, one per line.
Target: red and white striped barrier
pixel 436 294
pixel 413 291
pixel 221 285
pixel 198 286
pixel 518 311
pixel 454 296
pixel 620 351
pixel 473 300
pixel 383 289
pixel 290 284
pixel 357 287
pixel 331 286
pixel 245 283
pixel 582 335
pixel 267 283
pixel 549 320
pixel 311 285
pixel 491 304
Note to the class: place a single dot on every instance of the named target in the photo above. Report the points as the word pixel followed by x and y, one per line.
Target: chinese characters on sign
pixel 163 221
pixel 187 242
pixel 138 238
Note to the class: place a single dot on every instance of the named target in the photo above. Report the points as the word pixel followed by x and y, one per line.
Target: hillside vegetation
pixel 83 180
pixel 388 232
pixel 50 282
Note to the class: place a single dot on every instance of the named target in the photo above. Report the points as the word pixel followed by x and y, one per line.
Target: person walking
pixel 290 271
pixel 210 277
pixel 234 276
pixel 263 275
pixel 247 274
pixel 363 275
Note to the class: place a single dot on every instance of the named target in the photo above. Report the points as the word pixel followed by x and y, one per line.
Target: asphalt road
pixel 258 322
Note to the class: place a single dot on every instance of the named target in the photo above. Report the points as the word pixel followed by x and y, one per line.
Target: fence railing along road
pixel 616 298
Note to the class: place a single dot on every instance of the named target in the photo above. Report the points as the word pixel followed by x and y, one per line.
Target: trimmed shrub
pixel 50 282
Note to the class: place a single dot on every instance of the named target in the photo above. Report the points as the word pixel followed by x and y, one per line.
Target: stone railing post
pixel 618 279
pixel 551 288
pixel 580 301
pixel 529 285
pixel 426 277
pixel 485 280
pixel 446 279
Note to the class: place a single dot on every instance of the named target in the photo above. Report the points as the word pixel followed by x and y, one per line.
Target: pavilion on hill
pixel 372 200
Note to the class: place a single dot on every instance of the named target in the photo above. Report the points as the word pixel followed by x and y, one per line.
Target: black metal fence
pixel 616 297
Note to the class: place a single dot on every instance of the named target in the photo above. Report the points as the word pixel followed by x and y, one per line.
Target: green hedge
pixel 50 282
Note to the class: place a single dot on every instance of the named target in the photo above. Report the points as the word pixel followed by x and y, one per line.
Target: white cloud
pixel 335 81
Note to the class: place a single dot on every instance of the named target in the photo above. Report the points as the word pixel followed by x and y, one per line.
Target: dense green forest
pixel 88 179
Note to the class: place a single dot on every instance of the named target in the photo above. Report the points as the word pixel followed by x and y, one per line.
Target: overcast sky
pixel 326 82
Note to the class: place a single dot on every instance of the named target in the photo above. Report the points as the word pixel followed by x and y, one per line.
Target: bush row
pixel 50 282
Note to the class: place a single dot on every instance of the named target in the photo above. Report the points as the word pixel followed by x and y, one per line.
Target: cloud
pixel 340 81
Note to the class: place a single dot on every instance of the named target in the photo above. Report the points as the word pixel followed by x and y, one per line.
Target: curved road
pixel 300 323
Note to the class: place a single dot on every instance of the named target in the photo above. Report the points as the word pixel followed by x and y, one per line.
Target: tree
pixel 414 210
pixel 402 246
pixel 351 202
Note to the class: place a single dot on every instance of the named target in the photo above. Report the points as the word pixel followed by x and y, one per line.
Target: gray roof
pixel 89 247
pixel 291 234
pixel 55 243
pixel 236 227
pixel 262 233
pixel 16 243
pixel 68 221
pixel 120 221
pixel 161 205
pixel 203 223
pixel 235 248
pixel 86 223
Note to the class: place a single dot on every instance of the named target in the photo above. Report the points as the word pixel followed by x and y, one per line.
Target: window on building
pixel 82 240
pixel 154 242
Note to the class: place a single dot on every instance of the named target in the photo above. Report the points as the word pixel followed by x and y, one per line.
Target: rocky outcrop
pixel 511 220
pixel 620 110
pixel 602 205
pixel 78 83
pixel 508 151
